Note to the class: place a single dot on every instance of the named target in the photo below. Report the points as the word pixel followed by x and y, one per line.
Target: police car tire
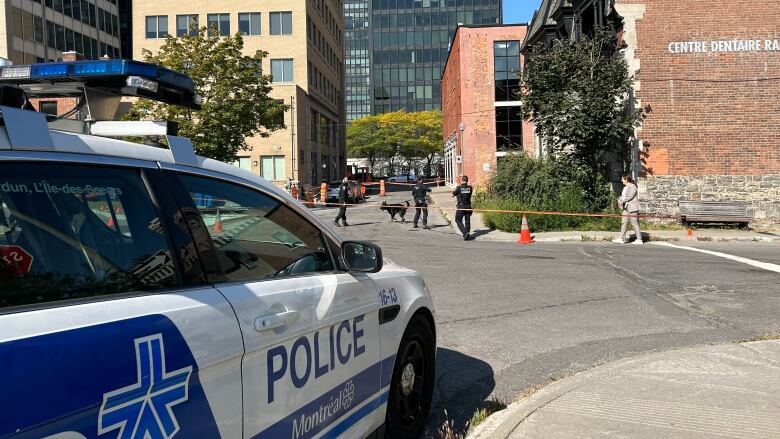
pixel 418 347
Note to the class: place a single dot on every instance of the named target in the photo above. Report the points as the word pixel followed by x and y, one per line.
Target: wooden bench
pixel 692 211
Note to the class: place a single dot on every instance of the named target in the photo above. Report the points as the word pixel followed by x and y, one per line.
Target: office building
pixel 41 30
pixel 304 41
pixel 396 50
pixel 480 105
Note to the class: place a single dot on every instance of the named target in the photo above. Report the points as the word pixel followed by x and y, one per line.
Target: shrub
pixel 549 185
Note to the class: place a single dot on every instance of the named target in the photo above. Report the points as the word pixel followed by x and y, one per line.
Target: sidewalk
pixel 730 390
pixel 443 200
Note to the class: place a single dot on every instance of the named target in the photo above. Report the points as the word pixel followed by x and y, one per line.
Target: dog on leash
pixel 395 209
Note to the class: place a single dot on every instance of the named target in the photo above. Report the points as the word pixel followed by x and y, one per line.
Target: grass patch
pixel 448 431
pixel 492 406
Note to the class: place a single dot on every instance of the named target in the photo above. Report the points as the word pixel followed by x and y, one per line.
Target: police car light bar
pixel 118 77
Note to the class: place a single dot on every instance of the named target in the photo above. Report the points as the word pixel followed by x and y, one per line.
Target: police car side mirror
pixel 361 256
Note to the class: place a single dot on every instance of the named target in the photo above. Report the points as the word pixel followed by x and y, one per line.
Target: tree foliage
pixel 580 97
pixel 411 136
pixel 235 97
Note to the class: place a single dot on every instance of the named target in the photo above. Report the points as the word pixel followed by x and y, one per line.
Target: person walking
pixel 343 191
pixel 629 203
pixel 463 195
pixel 420 195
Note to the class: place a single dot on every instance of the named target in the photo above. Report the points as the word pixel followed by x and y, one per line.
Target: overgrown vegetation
pixel 553 184
pixel 579 95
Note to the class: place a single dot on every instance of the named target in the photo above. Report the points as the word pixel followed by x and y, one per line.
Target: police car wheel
pixel 411 387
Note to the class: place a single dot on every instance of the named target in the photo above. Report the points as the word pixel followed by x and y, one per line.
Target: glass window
pixel 74 231
pixel 506 67
pixel 38 29
pixel 51 35
pixel 218 24
pixel 256 236
pixel 281 23
pixel 249 23
pixel 509 129
pixel 186 25
pixel 244 163
pixel 281 70
pixel 48 107
pixel 272 167
pixel 156 26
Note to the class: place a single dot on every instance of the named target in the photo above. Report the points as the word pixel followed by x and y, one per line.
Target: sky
pixel 519 11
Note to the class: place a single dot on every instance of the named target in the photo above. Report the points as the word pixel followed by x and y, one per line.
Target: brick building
pixel 480 109
pixel 712 81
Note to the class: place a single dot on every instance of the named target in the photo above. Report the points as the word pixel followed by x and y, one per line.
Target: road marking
pixel 758 264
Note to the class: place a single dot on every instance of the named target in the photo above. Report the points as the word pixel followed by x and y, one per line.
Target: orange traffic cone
pixel 111 222
pixel 525 233
pixel 690 232
pixel 218 223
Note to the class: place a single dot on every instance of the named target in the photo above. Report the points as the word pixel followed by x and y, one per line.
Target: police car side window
pixel 69 232
pixel 256 236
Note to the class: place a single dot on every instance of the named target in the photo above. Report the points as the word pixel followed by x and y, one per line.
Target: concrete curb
pixel 501 424
pixel 580 236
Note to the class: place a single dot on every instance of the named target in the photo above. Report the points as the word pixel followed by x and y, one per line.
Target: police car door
pixel 311 332
pixel 105 329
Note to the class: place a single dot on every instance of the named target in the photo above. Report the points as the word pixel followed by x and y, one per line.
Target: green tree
pixel 367 139
pixel 579 95
pixel 410 136
pixel 235 97
pixel 420 136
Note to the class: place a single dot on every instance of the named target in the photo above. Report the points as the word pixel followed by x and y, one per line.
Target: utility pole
pixel 292 138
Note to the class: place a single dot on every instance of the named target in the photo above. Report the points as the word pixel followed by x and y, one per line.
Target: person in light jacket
pixel 629 203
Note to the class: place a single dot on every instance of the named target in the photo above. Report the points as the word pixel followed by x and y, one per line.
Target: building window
pixel 282 70
pixel 509 129
pixel 249 23
pixel 272 167
pixel 48 107
pixel 218 24
pixel 186 25
pixel 281 23
pixel 38 29
pixel 506 61
pixel 156 26
pixel 244 163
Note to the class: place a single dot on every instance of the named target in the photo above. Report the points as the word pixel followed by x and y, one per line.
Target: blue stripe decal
pixel 354 418
pixel 387 371
pixel 320 413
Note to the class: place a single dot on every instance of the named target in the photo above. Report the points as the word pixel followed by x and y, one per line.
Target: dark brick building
pixel 710 72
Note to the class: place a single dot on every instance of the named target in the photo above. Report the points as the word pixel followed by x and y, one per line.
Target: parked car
pixel 402 179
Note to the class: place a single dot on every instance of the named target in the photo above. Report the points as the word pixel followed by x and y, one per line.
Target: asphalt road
pixel 510 317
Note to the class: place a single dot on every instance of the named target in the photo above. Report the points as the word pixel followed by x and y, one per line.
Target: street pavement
pixel 511 317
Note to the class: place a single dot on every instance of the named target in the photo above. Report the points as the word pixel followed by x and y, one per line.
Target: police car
pixel 146 292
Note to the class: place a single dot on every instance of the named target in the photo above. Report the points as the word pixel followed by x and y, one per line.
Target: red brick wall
pixel 701 127
pixel 468 96
pixel 451 90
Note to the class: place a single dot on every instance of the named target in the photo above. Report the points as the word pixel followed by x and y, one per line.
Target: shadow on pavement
pixel 363 224
pixel 463 383
pixel 478 233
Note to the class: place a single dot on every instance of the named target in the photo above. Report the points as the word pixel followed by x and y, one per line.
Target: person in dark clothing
pixel 463 195
pixel 420 195
pixel 343 190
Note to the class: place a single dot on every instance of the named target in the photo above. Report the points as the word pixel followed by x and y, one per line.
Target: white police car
pixel 149 293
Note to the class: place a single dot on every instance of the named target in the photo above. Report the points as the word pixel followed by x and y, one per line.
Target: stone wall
pixel 659 195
